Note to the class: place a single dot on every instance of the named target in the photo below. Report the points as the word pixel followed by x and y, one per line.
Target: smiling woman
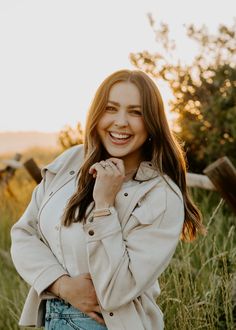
pixel 105 221
pixel 121 128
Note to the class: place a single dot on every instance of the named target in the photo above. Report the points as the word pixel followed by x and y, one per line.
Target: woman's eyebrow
pixel 113 102
pixel 129 106
pixel 134 106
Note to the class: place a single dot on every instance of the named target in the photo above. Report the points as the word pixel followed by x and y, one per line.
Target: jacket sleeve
pixel 32 258
pixel 122 267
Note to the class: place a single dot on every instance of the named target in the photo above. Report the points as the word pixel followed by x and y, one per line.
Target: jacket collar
pixel 146 171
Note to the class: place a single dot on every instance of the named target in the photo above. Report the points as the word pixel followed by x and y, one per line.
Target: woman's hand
pixel 109 176
pixel 80 293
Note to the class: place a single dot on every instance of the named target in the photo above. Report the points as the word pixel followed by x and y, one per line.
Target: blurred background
pixel 54 54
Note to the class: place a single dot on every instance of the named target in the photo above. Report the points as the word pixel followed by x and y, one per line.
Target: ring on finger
pixel 106 164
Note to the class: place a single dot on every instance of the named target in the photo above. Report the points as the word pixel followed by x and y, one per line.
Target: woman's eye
pixel 109 108
pixel 136 112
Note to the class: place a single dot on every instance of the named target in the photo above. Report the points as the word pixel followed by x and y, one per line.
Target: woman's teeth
pixel 119 136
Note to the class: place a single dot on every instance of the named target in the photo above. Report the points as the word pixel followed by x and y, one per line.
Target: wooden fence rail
pixel 220 176
pixel 200 181
pixel 193 180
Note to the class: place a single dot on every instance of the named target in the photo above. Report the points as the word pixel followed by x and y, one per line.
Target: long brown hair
pixel 162 148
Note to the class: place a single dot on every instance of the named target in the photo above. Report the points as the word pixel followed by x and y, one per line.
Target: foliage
pixel 204 91
pixel 69 137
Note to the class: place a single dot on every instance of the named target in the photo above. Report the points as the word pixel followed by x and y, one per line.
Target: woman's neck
pixel 130 173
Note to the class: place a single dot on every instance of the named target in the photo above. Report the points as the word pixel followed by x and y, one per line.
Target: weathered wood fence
pixel 8 172
pixel 219 176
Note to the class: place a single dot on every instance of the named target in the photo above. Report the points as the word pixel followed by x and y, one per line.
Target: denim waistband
pixel 59 306
pixel 61 315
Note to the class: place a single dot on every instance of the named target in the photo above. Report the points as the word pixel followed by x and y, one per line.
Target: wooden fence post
pixel 7 173
pixel 222 173
pixel 13 164
pixel 33 169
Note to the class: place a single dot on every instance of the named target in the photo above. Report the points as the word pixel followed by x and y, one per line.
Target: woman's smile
pixel 119 138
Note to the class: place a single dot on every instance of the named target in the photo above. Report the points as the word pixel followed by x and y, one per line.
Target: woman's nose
pixel 121 119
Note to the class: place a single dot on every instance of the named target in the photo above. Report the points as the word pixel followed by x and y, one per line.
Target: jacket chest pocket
pixel 144 214
pixel 136 218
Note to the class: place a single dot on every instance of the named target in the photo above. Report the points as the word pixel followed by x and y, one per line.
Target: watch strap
pixel 102 212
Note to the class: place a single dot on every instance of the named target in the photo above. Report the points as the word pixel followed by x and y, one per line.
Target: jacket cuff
pixel 100 227
pixel 47 277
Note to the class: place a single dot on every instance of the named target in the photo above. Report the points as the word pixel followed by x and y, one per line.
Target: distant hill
pixel 20 141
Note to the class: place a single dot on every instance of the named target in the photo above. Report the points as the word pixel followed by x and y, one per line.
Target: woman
pixel 104 222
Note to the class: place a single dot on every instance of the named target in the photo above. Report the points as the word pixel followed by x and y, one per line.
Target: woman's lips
pixel 121 140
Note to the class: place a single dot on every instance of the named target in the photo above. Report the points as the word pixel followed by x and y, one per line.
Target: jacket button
pixel 90 219
pixel 111 314
pixel 72 172
pixel 91 232
pixel 125 194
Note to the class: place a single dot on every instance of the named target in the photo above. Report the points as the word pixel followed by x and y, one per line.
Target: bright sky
pixel 54 54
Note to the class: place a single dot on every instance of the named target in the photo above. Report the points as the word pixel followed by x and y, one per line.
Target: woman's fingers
pixel 111 167
pixel 97 309
pixel 118 163
pixel 86 275
pixel 96 317
pixel 105 166
pixel 95 168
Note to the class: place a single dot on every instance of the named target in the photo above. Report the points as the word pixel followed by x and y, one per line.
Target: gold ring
pixel 104 165
pixel 107 164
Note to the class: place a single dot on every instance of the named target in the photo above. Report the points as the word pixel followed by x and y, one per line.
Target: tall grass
pixel 13 201
pixel 198 287
pixel 12 288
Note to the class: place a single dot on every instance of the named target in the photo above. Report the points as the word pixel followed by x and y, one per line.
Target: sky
pixel 54 54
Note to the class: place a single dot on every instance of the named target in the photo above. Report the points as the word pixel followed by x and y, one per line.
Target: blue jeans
pixel 62 316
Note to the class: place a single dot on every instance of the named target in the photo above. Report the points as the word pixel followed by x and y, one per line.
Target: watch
pixel 103 212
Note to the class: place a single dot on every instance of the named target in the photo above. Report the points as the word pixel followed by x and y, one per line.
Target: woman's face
pixel 121 127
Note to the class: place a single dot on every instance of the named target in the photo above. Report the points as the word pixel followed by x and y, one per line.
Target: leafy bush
pixel 204 91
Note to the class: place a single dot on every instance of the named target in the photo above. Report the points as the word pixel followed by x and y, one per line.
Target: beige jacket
pixel 126 254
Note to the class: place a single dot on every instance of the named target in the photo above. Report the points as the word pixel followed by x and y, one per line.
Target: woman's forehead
pixel 124 91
